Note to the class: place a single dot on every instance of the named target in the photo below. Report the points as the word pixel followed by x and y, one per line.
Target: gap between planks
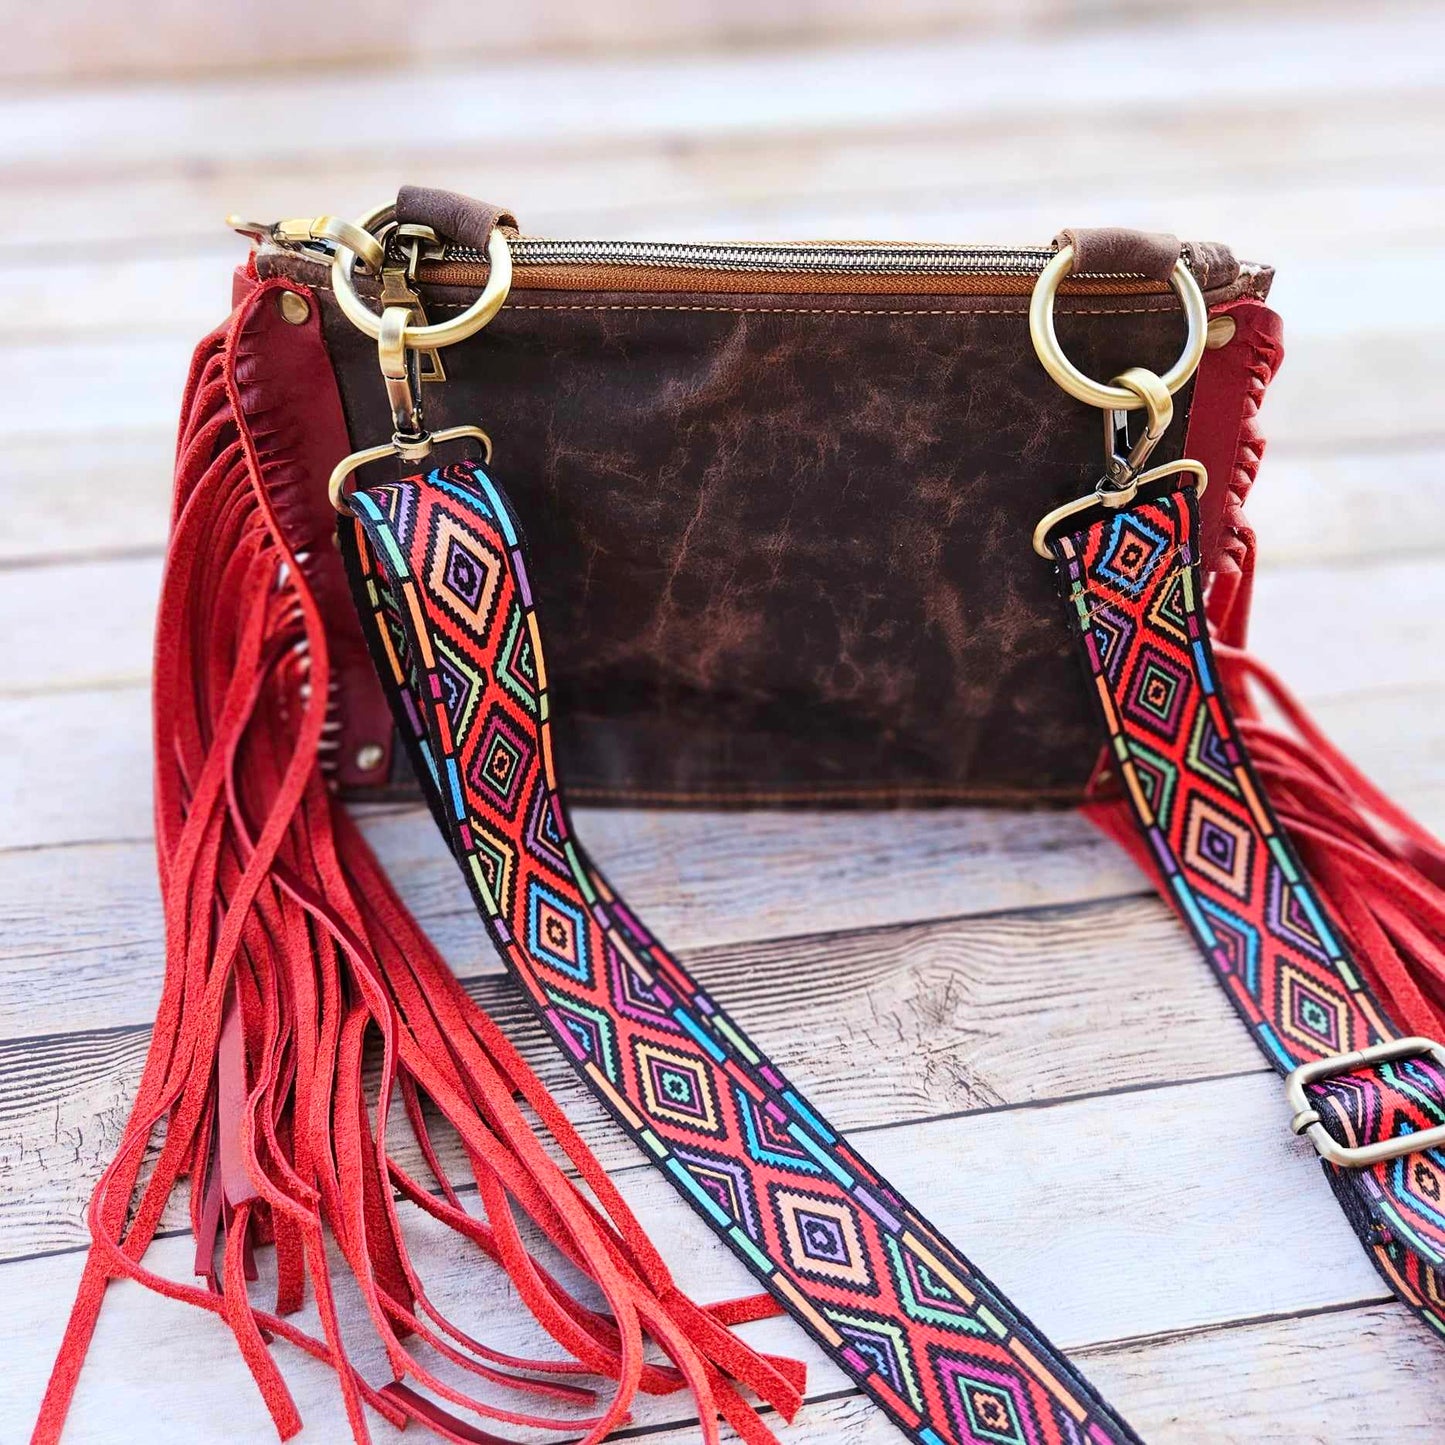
pixel 92 288
pixel 907 1022
pixel 226 38
pixel 81 626
pixel 703 878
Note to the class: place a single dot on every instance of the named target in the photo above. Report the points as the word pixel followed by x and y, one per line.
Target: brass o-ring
pixel 441 333
pixel 1085 388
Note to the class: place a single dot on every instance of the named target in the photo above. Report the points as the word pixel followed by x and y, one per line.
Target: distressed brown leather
pixel 1114 251
pixel 455 218
pixel 1211 263
pixel 780 541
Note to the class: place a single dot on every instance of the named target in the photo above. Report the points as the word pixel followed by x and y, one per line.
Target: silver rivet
pixel 370 756
pixel 1219 332
pixel 295 308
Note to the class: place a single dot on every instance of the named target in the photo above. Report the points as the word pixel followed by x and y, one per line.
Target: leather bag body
pixel 788 515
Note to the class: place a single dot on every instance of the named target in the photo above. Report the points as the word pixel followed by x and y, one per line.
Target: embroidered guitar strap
pixel 1133 585
pixel 440 578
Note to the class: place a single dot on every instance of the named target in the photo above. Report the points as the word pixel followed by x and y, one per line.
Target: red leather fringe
pixel 1380 874
pixel 301 1003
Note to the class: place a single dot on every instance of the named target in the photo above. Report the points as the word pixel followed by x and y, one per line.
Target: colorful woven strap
pixel 442 585
pixel 1133 583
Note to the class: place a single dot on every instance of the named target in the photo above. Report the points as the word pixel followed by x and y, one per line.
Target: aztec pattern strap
pixel 439 576
pixel 1132 582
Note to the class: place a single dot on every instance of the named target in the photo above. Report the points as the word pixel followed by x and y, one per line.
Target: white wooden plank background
pixel 1016 1029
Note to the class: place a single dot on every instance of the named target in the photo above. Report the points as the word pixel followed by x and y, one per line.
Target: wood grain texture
pixel 749 181
pixel 92 900
pixel 1131 1162
pixel 905 1023
pixel 1036 1230
pixel 1262 1383
pixel 94 496
pixel 97 904
pixel 83 626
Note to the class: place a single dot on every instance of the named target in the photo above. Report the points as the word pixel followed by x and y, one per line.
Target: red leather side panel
pixel 288 397
pixel 1224 434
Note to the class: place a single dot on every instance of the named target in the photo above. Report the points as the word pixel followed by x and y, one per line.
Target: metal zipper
pixel 821 258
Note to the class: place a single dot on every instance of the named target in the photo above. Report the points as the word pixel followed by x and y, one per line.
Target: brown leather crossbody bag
pixel 781 489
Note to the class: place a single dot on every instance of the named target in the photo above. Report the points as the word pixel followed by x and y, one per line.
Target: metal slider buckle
pixel 1307 1120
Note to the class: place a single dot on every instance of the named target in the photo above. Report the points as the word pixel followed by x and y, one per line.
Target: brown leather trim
pixel 1213 264
pixel 671 302
pixel 454 218
pixel 1115 251
pixel 454 287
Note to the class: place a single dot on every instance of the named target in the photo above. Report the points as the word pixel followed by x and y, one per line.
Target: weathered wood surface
pixel 597 100
pixel 230 34
pixel 1014 1027
pixel 1103 1184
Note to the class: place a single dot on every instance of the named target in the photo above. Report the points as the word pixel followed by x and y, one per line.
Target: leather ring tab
pixel 455 218
pixel 1117 251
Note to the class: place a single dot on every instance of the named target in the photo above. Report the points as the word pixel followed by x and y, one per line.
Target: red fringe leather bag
pixel 770 507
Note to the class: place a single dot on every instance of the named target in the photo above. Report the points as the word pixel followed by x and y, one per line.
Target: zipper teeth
pixel 883 259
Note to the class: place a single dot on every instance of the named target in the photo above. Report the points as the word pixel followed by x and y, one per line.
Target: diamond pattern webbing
pixel 1133 585
pixel 443 588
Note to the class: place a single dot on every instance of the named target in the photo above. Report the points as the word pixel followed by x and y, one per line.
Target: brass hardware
pixel 1136 388
pixel 1219 332
pixel 1085 388
pixel 294 307
pixel 401 332
pixel 1159 412
pixel 1307 1118
pixel 370 756
pixel 1105 495
pixel 299 230
pixel 1124 476
pixel 256 232
pixel 344 235
pixel 396 290
pixel 442 333
pixel 408 448
pixel 398 369
pixel 419 241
